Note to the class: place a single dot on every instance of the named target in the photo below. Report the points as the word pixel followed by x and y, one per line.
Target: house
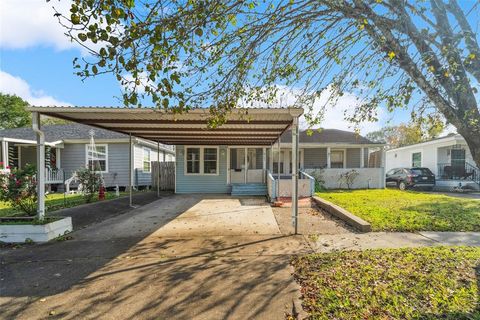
pixel 241 170
pixel 68 147
pixel 250 154
pixel 448 157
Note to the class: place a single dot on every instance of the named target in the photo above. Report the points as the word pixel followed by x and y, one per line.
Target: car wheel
pixel 402 185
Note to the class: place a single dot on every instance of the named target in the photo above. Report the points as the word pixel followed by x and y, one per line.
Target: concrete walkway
pixel 181 257
pixel 379 240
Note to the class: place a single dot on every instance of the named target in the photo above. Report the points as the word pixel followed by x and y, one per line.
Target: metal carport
pixel 243 126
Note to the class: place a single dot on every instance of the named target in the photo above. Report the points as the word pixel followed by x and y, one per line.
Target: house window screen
pixel 210 161
pixel 97 158
pixel 336 159
pixel 417 159
pixel 146 160
pixel 193 160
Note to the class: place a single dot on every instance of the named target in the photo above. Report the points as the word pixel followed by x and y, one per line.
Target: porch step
pixel 249 189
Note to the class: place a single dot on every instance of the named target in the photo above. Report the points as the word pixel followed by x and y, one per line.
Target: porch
pixel 18 153
pixel 455 167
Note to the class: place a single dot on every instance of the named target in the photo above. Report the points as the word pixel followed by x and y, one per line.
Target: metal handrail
pixel 274 187
pixel 312 182
pixel 466 171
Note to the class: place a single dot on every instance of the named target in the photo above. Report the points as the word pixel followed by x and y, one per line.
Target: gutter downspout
pixel 40 165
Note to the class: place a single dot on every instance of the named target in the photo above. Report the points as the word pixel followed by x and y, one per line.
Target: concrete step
pixel 249 189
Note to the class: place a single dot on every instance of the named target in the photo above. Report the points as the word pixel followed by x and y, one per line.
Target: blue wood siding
pixel 314 158
pixel 201 183
pixel 353 157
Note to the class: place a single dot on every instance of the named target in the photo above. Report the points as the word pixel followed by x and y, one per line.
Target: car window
pixel 422 171
pixel 399 171
pixel 390 172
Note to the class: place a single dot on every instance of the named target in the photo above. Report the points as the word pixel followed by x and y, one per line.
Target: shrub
pixel 348 178
pixel 90 181
pixel 18 187
pixel 319 182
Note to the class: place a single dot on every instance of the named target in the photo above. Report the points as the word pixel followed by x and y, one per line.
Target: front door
pixel 458 162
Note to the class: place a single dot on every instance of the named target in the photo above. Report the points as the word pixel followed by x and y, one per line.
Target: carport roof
pixel 244 126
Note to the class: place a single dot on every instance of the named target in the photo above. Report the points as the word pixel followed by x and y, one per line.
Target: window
pixel 146 160
pixel 97 158
pixel 200 160
pixel 193 160
pixel 336 158
pixel 417 159
pixel 210 161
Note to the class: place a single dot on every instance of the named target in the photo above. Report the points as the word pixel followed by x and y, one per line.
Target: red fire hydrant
pixel 101 193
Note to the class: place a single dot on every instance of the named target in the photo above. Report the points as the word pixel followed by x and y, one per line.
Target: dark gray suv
pixel 409 178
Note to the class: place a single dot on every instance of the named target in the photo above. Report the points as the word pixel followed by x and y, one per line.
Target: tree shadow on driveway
pixel 139 274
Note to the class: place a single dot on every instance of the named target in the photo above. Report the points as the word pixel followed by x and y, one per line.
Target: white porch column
pixel 362 157
pixel 382 165
pixel 328 158
pixel 264 171
pixel 130 169
pixel 40 166
pixel 270 160
pixel 5 154
pixel 158 169
pixel 295 173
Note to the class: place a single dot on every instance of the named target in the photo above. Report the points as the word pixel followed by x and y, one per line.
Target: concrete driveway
pixel 180 257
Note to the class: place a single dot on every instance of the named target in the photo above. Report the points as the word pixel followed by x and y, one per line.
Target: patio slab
pixel 223 216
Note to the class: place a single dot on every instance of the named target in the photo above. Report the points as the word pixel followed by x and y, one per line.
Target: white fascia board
pixel 332 145
pixel 456 139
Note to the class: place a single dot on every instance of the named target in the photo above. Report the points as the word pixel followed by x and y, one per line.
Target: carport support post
pixel 40 166
pixel 130 175
pixel 295 173
pixel 158 169
pixel 278 168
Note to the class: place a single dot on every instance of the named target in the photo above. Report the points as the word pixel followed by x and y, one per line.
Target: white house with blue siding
pixel 68 150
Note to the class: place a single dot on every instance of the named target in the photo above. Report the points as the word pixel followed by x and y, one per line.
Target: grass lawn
pixel 421 283
pixel 56 201
pixel 395 210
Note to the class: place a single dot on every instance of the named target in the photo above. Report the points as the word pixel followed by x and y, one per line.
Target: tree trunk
pixel 473 142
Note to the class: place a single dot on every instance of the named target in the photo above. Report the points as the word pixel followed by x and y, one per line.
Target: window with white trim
pixel 416 159
pixel 337 158
pixel 210 157
pixel 201 160
pixel 146 160
pixel 97 158
pixel 193 160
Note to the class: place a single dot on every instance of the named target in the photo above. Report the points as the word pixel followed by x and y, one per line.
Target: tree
pixel 421 54
pixel 12 112
pixel 406 134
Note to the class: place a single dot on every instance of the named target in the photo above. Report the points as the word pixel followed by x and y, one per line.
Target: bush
pixel 348 178
pixel 90 181
pixel 319 181
pixel 19 188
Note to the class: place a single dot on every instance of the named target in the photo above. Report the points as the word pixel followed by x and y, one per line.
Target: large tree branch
pixel 472 65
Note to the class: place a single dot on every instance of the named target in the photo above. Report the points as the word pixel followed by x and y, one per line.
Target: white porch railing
pixel 54 175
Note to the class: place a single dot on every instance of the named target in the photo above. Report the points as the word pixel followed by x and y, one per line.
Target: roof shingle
pixel 62 132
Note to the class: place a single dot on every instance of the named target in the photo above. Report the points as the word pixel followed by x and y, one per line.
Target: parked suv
pixel 405 178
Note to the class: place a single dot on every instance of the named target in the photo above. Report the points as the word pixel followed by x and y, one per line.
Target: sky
pixel 36 64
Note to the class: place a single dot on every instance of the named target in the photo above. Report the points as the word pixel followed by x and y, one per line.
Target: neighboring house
pixel 448 157
pixel 68 149
pixel 239 169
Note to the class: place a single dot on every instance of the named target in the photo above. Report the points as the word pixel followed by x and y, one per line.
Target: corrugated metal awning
pixel 252 126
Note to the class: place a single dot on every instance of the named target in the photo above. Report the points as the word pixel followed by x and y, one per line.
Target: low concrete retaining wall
pixel 343 214
pixel 37 233
pixel 368 178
